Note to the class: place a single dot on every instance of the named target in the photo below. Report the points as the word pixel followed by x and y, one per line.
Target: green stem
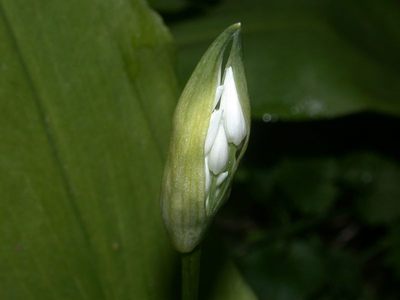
pixel 190 275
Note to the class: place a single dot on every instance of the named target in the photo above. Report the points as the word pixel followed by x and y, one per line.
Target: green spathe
pixel 186 205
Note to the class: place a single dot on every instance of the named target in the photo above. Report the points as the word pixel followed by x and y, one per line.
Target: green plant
pixel 87 93
pixel 210 135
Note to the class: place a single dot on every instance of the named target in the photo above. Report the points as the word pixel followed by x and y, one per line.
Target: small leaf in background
pixel 285 271
pixel 374 181
pixel 393 258
pixel 309 184
pixel 343 276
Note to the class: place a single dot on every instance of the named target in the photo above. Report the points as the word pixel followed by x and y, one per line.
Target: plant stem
pixel 190 274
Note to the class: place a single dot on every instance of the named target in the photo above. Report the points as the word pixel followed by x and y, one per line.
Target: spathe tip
pixel 237 26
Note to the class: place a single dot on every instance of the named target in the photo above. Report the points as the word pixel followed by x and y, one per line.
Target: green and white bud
pixel 210 134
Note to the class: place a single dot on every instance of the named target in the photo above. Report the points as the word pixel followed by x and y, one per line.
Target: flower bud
pixel 218 156
pixel 210 134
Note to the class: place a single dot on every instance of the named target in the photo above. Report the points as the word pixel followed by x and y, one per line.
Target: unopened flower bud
pixel 210 134
pixel 218 156
pixel 234 123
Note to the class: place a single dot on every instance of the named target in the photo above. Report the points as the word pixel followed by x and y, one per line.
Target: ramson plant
pixel 210 134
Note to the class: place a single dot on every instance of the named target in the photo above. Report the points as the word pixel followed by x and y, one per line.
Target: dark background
pixel 314 212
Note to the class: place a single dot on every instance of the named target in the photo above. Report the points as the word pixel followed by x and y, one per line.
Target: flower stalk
pixel 190 275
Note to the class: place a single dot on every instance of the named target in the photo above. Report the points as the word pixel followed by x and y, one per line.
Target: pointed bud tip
pixel 237 25
pixel 234 28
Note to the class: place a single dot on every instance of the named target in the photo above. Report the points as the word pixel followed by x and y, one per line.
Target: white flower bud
pixel 218 156
pixel 218 94
pixel 235 125
pixel 221 178
pixel 215 120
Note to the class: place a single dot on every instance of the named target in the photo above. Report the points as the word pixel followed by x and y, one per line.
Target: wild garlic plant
pixel 211 129
pixel 210 134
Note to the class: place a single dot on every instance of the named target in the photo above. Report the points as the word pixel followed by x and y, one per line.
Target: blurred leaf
pixel 302 269
pixel 354 251
pixel 284 271
pixel 311 185
pixel 220 278
pixel 393 258
pixel 307 59
pixel 307 185
pixel 87 92
pixel 230 285
pixel 344 278
pixel 374 181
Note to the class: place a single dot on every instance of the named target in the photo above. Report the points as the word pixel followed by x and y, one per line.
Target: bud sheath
pixel 210 134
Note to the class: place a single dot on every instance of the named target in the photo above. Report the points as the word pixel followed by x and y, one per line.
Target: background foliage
pixel 315 210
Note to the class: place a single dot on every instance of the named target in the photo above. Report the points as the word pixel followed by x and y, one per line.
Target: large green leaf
pixel 87 92
pixel 308 59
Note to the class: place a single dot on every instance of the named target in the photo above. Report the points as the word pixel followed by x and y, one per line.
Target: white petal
pixel 221 177
pixel 215 120
pixel 208 176
pixel 235 125
pixel 218 94
pixel 218 156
